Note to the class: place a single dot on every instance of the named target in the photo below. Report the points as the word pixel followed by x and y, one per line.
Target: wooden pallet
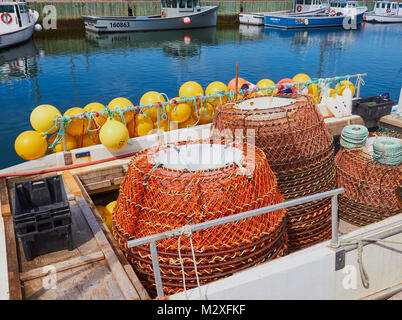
pixel 95 269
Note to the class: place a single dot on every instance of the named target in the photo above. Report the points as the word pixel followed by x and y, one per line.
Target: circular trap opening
pixel 194 157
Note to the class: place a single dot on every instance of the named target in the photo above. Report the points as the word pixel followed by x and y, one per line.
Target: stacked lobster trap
pixel 167 187
pixel 371 174
pixel 291 131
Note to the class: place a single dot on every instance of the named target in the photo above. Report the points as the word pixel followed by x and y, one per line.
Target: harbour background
pixel 228 11
pixel 69 67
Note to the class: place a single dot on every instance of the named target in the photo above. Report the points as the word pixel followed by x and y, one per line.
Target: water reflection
pixel 19 62
pixel 175 43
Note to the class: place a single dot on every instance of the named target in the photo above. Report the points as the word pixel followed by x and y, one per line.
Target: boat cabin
pixel 388 7
pixel 307 5
pixel 347 7
pixel 174 8
pixel 13 15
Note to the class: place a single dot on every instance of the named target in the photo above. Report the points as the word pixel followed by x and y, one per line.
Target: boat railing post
pixel 157 271
pixel 358 88
pixel 334 220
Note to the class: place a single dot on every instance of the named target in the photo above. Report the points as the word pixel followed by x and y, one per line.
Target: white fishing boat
pixel 385 12
pixel 182 14
pixel 300 7
pixel 17 23
pixel 346 8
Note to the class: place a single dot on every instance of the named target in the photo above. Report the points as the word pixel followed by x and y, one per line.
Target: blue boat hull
pixel 286 22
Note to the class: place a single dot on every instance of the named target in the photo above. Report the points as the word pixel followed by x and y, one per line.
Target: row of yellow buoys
pixel 114 133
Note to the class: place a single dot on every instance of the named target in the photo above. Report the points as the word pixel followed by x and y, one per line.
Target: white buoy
pixel 38 27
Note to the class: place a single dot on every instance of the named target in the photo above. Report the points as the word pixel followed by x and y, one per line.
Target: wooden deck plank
pixel 92 281
pixel 5 201
pixel 116 268
pixel 63 265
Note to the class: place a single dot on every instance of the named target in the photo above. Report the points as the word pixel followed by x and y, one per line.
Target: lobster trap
pixel 372 189
pixel 292 133
pixel 167 187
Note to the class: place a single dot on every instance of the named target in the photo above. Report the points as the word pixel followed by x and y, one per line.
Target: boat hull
pixel 291 22
pixel 377 18
pixel 202 19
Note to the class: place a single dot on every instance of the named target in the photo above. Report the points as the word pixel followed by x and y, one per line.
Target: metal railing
pixel 244 215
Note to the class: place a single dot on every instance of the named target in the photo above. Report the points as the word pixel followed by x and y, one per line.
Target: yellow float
pixel 109 208
pixel 121 103
pixel 85 141
pixel 191 89
pixel 101 210
pixel 71 143
pixel 189 123
pixel 143 125
pixel 113 134
pixel 263 83
pixel 42 118
pixel 301 77
pixel 178 112
pixel 152 97
pixel 96 107
pixel 76 127
pixel 205 113
pixel 215 87
pixel 343 85
pixel 30 145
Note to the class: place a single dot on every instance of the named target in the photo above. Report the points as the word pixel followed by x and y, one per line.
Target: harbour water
pixel 72 69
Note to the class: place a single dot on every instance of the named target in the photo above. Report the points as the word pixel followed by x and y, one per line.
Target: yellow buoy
pixel 301 77
pixel 109 208
pixel 30 145
pixel 164 125
pixel 85 141
pixel 71 143
pixel 108 221
pixel 96 107
pixel 217 87
pixel 42 118
pixel 178 112
pixel 131 128
pixel 143 125
pixel 205 113
pixel 76 127
pixel 263 83
pixel 121 103
pixel 343 85
pixel 191 89
pixel 189 123
pixel 113 134
pixel 312 89
pixel 151 97
pixel 101 210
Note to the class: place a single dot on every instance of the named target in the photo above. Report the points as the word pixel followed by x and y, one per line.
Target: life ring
pixel 163 14
pixel 388 10
pixel 332 13
pixel 299 8
pixel 9 18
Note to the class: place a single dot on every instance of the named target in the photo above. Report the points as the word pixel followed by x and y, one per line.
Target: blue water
pixel 74 70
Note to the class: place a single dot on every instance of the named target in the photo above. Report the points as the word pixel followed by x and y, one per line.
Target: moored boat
pixel 182 14
pixel 385 12
pixel 346 7
pixel 17 23
pixel 301 7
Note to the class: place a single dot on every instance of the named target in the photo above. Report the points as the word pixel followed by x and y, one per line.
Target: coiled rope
pixel 388 150
pixel 354 136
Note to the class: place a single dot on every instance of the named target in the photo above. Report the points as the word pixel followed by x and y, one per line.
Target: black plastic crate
pixel 372 107
pixel 40 207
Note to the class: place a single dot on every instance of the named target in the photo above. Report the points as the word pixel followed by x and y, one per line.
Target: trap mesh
pixel 155 199
pixel 371 188
pixel 299 149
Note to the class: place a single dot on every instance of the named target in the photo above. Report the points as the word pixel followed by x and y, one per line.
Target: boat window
pixel 299 1
pixel 195 2
pixel 383 5
pixel 182 3
pixel 9 9
pixel 388 5
pixel 343 5
pixel 169 3
pixel 163 3
pixel 23 8
pixel 307 2
pixel 174 3
pixel 189 3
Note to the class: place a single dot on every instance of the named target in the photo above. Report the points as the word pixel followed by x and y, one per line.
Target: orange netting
pixel 173 198
pixel 371 188
pixel 299 150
